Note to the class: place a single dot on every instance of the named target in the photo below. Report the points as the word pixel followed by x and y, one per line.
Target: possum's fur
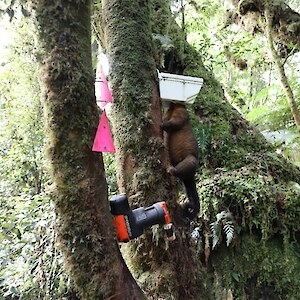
pixel 183 152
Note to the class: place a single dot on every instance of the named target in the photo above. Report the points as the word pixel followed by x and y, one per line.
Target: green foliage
pixel 254 89
pixel 109 160
pixel 31 264
pixel 203 135
pixel 269 110
pixel 272 116
pixel 261 213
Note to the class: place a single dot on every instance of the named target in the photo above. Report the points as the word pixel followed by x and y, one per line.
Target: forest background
pixel 31 262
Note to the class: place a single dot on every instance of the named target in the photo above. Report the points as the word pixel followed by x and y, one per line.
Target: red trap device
pixel 130 224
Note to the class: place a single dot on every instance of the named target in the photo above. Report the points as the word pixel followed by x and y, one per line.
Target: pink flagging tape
pixel 103 140
pixel 106 96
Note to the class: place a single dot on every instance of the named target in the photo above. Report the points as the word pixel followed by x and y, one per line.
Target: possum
pixel 183 153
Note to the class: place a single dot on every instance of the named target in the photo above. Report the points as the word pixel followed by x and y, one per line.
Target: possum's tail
pixel 192 207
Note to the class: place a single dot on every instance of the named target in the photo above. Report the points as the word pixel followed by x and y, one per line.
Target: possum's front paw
pixel 165 126
pixel 171 170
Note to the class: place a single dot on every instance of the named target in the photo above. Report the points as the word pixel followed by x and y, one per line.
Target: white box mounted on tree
pixel 178 87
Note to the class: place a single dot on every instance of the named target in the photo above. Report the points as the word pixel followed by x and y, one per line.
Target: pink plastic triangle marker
pixel 103 141
pixel 106 96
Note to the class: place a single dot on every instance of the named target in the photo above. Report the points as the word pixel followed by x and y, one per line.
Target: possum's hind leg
pixel 186 168
pixel 191 208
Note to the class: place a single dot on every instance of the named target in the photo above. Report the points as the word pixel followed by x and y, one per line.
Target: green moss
pixel 240 173
pixel 133 80
pixel 253 270
pixel 265 257
pixel 160 17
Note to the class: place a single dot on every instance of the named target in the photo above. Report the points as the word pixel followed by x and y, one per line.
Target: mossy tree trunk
pixel 141 156
pixel 136 98
pixel 83 219
pixel 240 175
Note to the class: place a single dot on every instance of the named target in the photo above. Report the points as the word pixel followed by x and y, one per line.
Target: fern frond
pixel 228 228
pixel 203 137
pixel 215 232
pixel 224 221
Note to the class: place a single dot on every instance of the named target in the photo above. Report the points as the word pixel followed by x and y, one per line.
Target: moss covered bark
pixel 239 174
pixel 136 99
pixel 163 272
pixel 83 218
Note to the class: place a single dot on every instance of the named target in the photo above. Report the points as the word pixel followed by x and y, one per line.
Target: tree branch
pixel 280 68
